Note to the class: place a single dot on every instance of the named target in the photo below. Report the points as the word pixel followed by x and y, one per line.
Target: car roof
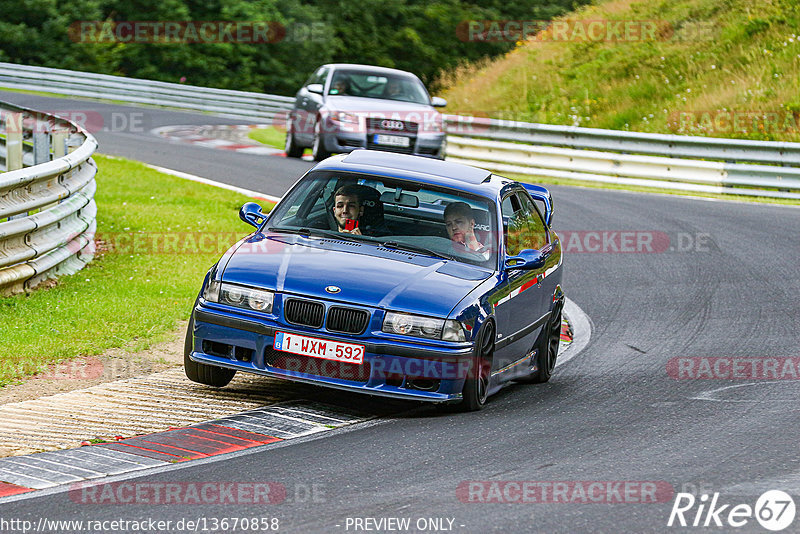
pixel 421 169
pixel 371 68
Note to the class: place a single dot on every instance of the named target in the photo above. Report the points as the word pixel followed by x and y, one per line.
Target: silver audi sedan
pixel 344 106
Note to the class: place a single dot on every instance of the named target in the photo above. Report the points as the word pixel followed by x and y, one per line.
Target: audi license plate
pixel 319 348
pixel 392 140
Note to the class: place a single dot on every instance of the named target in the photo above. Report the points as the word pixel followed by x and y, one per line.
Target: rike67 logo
pixel 774 510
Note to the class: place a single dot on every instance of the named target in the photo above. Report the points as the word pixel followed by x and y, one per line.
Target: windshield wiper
pixel 298 231
pixel 317 232
pixel 414 248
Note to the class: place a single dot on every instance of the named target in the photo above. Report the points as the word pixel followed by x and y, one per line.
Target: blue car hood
pixel 367 275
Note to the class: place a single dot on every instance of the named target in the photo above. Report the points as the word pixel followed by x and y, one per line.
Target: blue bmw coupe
pixel 390 275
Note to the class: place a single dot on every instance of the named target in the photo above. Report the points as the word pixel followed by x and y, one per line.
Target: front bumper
pixel 407 369
pixel 342 138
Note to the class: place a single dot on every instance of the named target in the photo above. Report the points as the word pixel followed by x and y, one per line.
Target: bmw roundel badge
pixel 333 289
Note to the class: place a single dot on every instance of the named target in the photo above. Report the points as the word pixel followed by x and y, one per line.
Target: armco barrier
pixel 689 163
pixel 235 104
pixel 753 168
pixel 47 208
pixel 608 167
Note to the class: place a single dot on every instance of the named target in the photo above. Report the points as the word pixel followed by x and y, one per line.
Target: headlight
pixel 414 325
pixel 211 293
pixel 345 117
pixel 239 296
pixel 453 331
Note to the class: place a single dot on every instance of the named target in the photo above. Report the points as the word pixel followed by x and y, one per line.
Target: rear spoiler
pixel 540 193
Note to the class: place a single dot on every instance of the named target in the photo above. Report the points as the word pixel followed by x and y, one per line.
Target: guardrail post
pixel 59 144
pixel 14 148
pixel 41 144
pixel 60 149
pixel 60 140
pixel 13 141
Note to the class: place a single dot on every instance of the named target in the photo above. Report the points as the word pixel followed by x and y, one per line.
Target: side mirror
pixel 526 260
pixel 251 214
pixel 438 102
pixel 315 88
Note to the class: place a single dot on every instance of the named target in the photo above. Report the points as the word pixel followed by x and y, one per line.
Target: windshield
pixel 395 213
pixel 384 86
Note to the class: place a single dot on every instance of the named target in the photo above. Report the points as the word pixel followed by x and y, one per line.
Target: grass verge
pixel 269 136
pixel 710 68
pixel 157 237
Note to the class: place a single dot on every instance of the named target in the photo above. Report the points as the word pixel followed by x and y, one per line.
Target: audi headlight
pixel 345 117
pixel 239 296
pixel 406 324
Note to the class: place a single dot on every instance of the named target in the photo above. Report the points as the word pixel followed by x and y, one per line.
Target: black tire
pixel 200 372
pixel 476 386
pixel 292 149
pixel 318 151
pixel 547 349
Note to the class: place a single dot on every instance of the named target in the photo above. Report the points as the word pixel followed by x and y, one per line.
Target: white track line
pixel 200 179
pixel 581 332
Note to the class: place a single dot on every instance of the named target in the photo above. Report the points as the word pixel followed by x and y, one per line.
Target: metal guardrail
pixel 680 146
pixel 236 104
pixel 47 208
pixel 701 164
pixel 753 168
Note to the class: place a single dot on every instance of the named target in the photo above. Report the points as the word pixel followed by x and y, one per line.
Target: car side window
pixel 535 222
pixel 511 205
pixel 525 229
pixel 323 77
pixel 318 77
pixel 510 209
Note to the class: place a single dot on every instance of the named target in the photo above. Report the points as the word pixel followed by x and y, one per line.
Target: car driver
pixel 347 209
pixel 340 87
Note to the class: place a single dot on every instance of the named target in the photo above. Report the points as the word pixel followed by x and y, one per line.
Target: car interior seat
pixel 482 228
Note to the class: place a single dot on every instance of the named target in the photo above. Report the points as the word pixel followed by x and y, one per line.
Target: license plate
pixel 392 140
pixel 319 348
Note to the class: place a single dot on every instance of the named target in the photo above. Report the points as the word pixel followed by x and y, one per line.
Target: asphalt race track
pixel 704 280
